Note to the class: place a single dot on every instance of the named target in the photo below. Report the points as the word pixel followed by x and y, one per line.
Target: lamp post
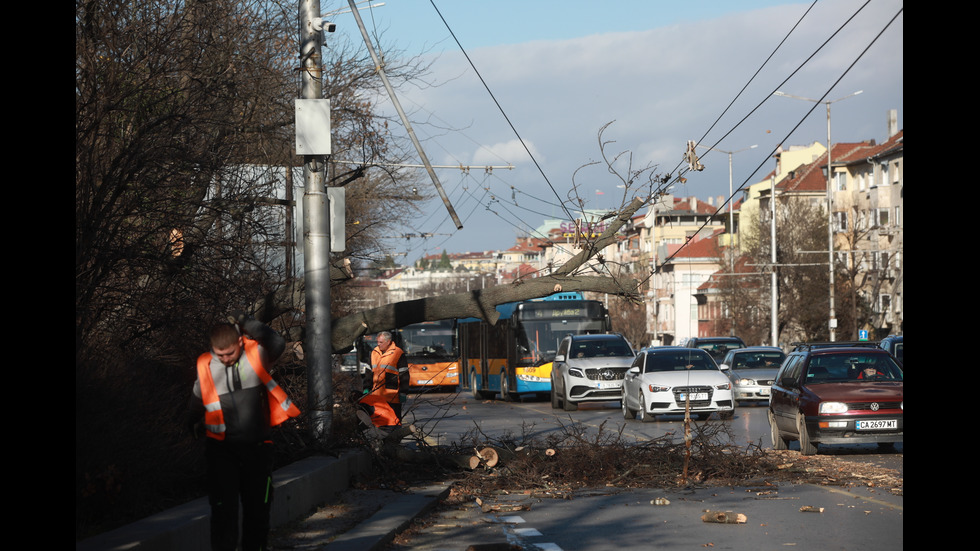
pixel 731 219
pixel 832 321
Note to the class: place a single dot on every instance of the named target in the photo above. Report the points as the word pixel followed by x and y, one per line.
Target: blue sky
pixel 658 73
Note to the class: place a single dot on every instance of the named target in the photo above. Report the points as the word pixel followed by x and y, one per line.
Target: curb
pixel 299 487
pixel 382 527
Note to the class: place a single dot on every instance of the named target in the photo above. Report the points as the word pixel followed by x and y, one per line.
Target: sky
pixel 540 79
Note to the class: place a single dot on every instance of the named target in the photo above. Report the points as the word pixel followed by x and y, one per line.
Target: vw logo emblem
pixel 874 406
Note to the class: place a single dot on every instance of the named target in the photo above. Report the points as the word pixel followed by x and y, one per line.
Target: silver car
pixel 589 368
pixel 752 371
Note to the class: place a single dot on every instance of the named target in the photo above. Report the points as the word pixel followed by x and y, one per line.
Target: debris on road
pixel 724 517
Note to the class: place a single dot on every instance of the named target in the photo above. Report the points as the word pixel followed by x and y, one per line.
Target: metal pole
pixel 401 113
pixel 832 316
pixel 316 242
pixel 832 321
pixel 773 280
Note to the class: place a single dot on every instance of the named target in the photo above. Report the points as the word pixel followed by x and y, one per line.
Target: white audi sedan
pixel 668 380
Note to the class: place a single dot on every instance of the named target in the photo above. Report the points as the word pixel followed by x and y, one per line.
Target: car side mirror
pixel 788 382
pixel 724 367
pixel 635 370
pixel 560 358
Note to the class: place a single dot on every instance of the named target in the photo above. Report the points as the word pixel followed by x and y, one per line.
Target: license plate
pixel 764 391
pixel 696 396
pixel 883 424
pixel 424 382
pixel 616 384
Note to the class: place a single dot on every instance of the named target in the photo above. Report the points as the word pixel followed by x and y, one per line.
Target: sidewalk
pixel 299 489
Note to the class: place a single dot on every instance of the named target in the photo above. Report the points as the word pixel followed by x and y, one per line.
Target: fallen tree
pixel 481 303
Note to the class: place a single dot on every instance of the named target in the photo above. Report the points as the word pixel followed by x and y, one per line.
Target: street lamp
pixel 731 220
pixel 830 204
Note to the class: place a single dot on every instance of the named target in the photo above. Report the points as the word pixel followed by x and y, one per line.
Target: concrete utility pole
pixel 316 238
pixel 832 317
pixel 773 276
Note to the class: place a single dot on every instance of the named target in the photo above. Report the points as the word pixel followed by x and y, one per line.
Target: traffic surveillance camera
pixel 320 25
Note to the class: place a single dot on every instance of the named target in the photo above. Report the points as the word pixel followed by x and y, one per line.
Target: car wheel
pixel 555 403
pixel 806 447
pixel 642 413
pixel 627 412
pixel 702 416
pixel 778 443
pixel 567 404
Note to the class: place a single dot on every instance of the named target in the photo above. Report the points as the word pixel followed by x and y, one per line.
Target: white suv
pixel 589 368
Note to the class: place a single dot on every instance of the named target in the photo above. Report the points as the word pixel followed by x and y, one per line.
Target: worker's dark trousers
pixel 239 471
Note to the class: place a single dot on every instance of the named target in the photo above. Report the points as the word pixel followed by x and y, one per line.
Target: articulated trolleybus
pixel 514 356
pixel 433 358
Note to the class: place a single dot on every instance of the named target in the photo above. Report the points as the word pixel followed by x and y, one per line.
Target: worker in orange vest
pixel 389 373
pixel 241 403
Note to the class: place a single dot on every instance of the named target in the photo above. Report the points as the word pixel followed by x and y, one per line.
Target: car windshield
pixel 757 360
pixel 678 361
pixel 599 348
pixel 718 349
pixel 853 366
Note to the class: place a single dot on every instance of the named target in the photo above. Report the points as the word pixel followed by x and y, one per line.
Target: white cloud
pixel 662 87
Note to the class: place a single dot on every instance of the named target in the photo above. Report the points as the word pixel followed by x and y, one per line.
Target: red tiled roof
pixel 701 248
pixel 684 204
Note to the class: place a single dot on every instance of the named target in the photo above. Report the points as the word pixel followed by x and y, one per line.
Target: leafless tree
pixel 803 276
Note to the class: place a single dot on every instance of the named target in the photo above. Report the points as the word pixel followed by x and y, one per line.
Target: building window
pixel 840 221
pixel 840 181
pixel 884 303
pixel 881 217
pixel 880 259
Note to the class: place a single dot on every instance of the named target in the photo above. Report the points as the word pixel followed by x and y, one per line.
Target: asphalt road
pixel 448 416
pixel 797 516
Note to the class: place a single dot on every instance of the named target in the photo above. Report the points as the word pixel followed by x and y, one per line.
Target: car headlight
pixel 746 382
pixel 576 372
pixel 833 407
pixel 532 379
pixel 659 388
pixel 726 386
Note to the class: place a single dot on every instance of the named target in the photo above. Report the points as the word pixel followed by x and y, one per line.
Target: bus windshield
pixel 542 325
pixel 434 340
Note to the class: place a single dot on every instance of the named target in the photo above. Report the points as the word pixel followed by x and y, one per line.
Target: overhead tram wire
pixel 501 109
pixel 800 67
pixel 766 98
pixel 805 116
pixel 753 77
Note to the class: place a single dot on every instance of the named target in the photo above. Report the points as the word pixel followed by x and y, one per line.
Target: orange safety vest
pixel 281 407
pixel 384 364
